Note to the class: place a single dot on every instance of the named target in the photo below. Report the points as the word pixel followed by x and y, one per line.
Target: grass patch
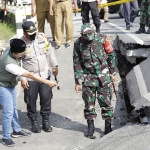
pixel 6 31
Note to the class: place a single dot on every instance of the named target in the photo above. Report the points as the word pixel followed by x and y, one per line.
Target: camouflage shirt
pixel 92 66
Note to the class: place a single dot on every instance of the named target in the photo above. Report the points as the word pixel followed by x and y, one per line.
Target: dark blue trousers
pixel 130 12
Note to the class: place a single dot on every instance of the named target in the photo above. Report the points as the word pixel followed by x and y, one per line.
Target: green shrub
pixel 6 31
pixel 9 19
pixel 7 25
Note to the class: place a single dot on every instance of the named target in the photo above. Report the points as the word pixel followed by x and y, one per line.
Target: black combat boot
pixel 46 124
pixel 91 129
pixel 141 29
pixel 97 29
pixel 35 126
pixel 108 128
pixel 148 31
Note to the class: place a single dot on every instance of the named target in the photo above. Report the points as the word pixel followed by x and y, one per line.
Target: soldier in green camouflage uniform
pixel 144 17
pixel 94 69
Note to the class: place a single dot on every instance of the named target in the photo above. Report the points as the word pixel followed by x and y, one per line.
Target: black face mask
pixel 32 37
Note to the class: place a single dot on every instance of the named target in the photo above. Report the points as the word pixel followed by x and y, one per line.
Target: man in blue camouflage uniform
pixel 144 17
pixel 94 69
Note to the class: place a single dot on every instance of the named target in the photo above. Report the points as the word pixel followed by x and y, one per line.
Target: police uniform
pixel 42 10
pixel 39 56
pixel 63 12
pixel 93 67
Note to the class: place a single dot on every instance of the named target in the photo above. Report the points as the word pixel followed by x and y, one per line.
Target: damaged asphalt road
pixel 67 118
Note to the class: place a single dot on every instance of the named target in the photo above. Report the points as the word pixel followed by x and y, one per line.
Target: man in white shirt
pixel 10 70
pixel 106 10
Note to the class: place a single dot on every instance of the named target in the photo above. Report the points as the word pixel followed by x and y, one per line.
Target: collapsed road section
pixel 133 65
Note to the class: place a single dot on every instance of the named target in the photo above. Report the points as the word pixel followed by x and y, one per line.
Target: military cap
pixel 17 45
pixel 87 28
pixel 29 27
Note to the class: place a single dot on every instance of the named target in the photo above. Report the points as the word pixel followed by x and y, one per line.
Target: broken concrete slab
pixel 142 52
pixel 138 85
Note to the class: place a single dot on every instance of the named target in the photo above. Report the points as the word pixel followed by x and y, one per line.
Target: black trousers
pixel 31 95
pixel 90 6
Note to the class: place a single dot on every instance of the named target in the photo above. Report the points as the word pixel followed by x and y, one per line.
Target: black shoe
pixel 127 28
pixel 106 21
pixel 19 134
pixel 108 131
pixel 46 124
pixel 54 40
pixel 97 29
pixel 57 47
pixel 35 128
pixel 47 128
pixel 108 128
pixel 148 31
pixel 68 45
pixel 8 142
pixel 141 29
pixel 91 129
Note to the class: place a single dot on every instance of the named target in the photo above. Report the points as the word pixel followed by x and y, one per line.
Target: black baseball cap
pixel 29 27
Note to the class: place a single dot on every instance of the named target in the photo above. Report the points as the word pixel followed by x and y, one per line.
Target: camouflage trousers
pixel 103 95
pixel 145 12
